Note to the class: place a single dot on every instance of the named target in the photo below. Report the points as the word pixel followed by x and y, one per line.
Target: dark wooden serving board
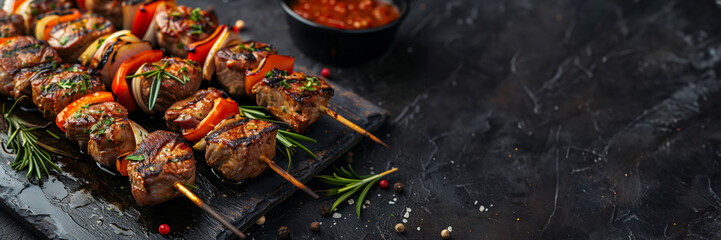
pixel 85 202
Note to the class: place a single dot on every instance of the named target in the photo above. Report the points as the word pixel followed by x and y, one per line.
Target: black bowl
pixel 343 46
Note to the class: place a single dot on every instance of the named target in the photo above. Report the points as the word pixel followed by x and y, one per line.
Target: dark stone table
pixel 527 119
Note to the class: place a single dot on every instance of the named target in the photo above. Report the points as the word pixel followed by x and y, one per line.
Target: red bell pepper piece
pixel 75 106
pixel 143 16
pixel 198 51
pixel 274 61
pixel 222 109
pixel 81 5
pixel 121 164
pixel 120 86
pixel 73 14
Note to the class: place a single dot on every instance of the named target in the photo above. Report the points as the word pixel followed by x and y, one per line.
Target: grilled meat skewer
pixel 231 64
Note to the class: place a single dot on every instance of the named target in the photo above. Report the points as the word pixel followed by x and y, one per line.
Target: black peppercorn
pixel 324 210
pixel 283 232
pixel 398 187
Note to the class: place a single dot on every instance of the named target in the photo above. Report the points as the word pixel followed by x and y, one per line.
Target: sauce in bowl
pixel 347 14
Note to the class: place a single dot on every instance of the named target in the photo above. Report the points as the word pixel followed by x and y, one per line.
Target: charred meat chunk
pixel 20 52
pixel 110 137
pixel 80 125
pixel 110 9
pixel 161 160
pixel 178 26
pixel 187 113
pixel 71 38
pixel 232 62
pixel 67 84
pixel 185 80
pixel 11 25
pixel 20 85
pixel 235 149
pixel 293 98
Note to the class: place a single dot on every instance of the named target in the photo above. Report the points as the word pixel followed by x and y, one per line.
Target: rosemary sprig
pixel 289 140
pixel 29 152
pixel 350 182
pixel 157 76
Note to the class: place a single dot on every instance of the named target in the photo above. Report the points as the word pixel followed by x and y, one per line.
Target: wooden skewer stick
pixel 288 177
pixel 208 209
pixel 351 125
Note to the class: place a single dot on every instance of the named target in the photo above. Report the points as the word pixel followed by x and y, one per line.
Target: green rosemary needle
pixel 156 76
pixel 350 182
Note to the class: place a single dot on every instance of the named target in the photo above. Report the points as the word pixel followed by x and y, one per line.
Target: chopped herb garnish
pixel 64 40
pixel 135 157
pixel 195 15
pixel 196 29
pixel 284 84
pixel 157 76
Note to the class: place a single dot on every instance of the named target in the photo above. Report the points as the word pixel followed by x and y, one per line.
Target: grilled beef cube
pixel 66 85
pixel 79 126
pixel 293 98
pixel 110 9
pixel 36 8
pixel 21 79
pixel 179 26
pixel 188 80
pixel 162 159
pixel 20 52
pixel 232 62
pixel 71 38
pixel 235 149
pixel 110 137
pixel 11 25
pixel 187 113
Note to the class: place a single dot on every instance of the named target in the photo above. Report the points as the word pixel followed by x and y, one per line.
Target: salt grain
pixel 391 202
pixel 450 229
pixel 482 208
pixel 419 229
pixel 337 215
pixel 408 209
pixel 405 220
pixel 406 215
pixel 351 201
pixel 475 203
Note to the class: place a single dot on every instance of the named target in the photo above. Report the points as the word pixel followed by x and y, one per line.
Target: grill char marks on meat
pixel 67 84
pixel 36 8
pixel 235 149
pixel 178 26
pixel 80 125
pixel 166 159
pixel 232 62
pixel 293 98
pixel 20 85
pixel 187 113
pixel 171 90
pixel 22 52
pixel 11 24
pixel 71 38
pixel 110 137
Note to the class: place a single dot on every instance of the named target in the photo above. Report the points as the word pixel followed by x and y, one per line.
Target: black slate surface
pixel 565 119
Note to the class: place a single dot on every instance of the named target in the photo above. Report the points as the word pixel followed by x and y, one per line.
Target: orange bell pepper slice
pixel 143 16
pixel 120 86
pixel 222 109
pixel 274 61
pixel 199 50
pixel 122 166
pixel 16 5
pixel 67 16
pixel 75 106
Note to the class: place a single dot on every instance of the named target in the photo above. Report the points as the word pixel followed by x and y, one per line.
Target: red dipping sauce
pixel 347 14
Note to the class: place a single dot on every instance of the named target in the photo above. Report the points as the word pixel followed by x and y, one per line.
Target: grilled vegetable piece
pixel 162 159
pixel 184 80
pixel 71 38
pixel 293 98
pixel 234 149
pixel 67 84
pixel 79 126
pixel 30 10
pixel 21 52
pixel 231 64
pixel 178 26
pixel 11 24
pixel 110 137
pixel 187 113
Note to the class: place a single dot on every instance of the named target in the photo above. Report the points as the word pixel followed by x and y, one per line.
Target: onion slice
pixel 227 37
pixel 87 56
pixel 117 48
pixel 136 88
pixel 138 132
pixel 150 34
pixel 8 5
pixel 129 9
pixel 40 26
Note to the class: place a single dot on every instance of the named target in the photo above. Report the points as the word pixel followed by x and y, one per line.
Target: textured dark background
pixel 565 119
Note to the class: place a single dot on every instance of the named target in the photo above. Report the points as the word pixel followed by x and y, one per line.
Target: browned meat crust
pixel 21 52
pixel 178 26
pixel 67 84
pixel 293 98
pixel 110 137
pixel 232 62
pixel 235 149
pixel 70 39
pixel 80 125
pixel 166 159
pixel 187 113
pixel 171 90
